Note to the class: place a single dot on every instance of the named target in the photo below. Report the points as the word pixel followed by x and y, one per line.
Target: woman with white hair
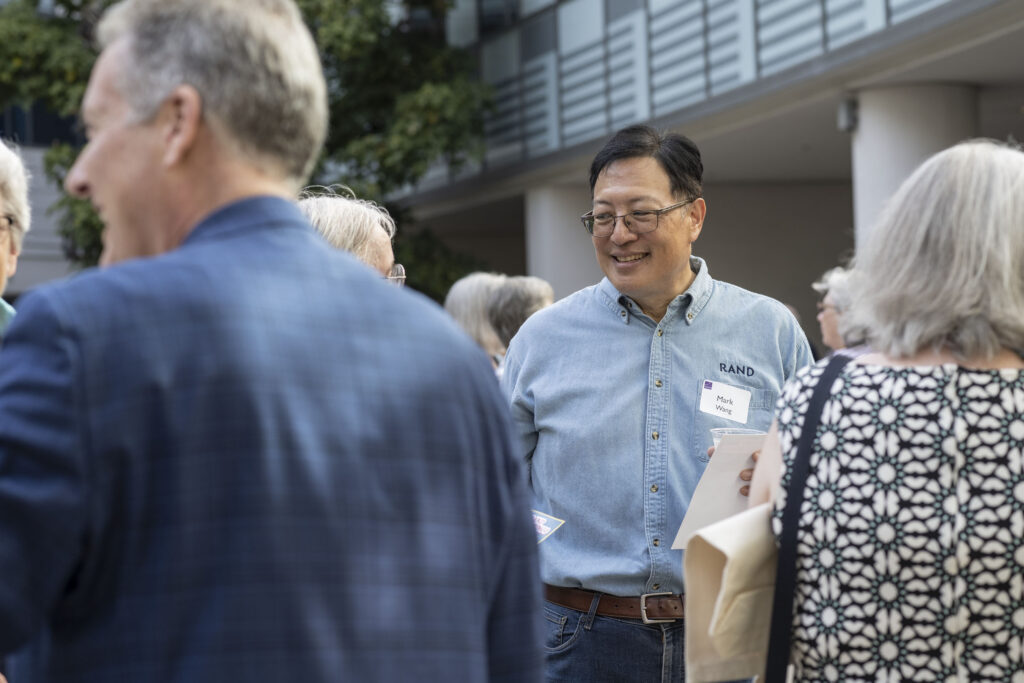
pixel 467 302
pixel 15 220
pixel 909 542
pixel 834 288
pixel 359 226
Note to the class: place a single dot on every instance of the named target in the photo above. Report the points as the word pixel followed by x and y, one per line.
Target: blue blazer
pixel 253 459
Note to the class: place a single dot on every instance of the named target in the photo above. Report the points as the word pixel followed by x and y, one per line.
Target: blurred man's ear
pixel 181 116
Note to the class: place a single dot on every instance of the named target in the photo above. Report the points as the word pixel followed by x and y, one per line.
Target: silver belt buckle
pixel 643 609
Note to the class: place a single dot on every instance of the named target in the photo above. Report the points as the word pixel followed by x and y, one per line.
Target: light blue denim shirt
pixel 606 404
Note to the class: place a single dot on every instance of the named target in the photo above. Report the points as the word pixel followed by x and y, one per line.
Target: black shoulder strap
pixel 785 581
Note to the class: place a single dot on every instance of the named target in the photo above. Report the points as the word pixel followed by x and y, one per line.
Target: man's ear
pixel 698 210
pixel 181 117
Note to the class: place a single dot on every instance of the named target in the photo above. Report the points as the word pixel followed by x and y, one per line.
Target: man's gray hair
pixel 346 222
pixel 514 301
pixel 944 266
pixel 467 302
pixel 14 192
pixel 253 63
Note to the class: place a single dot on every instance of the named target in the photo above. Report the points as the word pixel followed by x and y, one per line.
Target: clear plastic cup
pixel 718 432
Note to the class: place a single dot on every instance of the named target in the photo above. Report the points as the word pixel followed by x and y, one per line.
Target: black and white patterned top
pixel 910 553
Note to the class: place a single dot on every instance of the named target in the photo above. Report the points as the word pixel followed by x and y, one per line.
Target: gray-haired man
pixel 234 453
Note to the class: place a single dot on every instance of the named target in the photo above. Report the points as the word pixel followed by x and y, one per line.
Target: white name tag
pixel 723 400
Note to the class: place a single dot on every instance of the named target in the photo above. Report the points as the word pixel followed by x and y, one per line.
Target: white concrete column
pixel 558 247
pixel 897 129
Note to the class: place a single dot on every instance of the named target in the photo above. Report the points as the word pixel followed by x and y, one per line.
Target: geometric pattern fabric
pixel 910 552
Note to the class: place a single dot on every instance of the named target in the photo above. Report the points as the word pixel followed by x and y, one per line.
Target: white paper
pixel 723 400
pixel 718 492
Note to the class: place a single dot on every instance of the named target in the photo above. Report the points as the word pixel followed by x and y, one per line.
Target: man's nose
pixel 75 183
pixel 620 231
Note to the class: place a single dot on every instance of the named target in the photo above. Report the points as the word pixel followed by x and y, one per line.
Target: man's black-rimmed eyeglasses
pixel 637 222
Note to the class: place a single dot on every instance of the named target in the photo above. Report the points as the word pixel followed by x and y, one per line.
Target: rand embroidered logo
pixel 707 384
pixel 545 525
pixel 736 369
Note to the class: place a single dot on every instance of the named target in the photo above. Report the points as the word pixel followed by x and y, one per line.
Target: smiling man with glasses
pixel 613 392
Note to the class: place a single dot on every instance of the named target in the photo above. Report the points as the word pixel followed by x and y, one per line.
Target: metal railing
pixel 654 62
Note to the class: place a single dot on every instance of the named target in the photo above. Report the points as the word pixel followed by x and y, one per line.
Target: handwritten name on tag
pixel 726 401
pixel 545 525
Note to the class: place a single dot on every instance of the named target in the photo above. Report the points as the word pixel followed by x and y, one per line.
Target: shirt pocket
pixel 760 412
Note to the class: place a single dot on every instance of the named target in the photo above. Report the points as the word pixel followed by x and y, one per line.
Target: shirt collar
pixel 246 214
pixel 6 315
pixel 692 301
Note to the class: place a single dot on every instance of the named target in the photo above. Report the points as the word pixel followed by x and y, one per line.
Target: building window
pixel 496 15
pixel 37 126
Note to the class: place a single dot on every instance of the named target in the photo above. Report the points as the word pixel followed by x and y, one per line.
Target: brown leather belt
pixel 652 608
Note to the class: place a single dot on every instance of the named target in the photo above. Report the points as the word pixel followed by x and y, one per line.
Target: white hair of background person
pixel 518 298
pixel 345 221
pixel 14 192
pixel 835 282
pixel 944 265
pixel 253 63
pixel 467 302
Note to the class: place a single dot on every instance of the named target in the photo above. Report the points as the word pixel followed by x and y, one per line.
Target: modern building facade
pixel 808 113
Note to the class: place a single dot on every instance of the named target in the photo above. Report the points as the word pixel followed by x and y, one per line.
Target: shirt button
pixel 622 313
pixel 654 436
pixel 660 332
pixel 655 586
pixel 657 383
pixel 656 543
pixel 689 316
pixel 654 488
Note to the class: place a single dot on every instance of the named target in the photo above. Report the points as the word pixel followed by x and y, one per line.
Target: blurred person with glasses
pixel 359 226
pixel 613 392
pixel 836 299
pixel 15 219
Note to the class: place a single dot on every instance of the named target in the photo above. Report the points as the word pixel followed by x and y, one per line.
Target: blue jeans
pixel 583 647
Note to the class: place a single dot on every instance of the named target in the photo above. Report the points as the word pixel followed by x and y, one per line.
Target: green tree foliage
pixel 400 100
pixel 47 59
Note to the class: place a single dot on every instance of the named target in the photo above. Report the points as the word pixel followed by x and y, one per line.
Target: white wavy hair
pixel 344 220
pixel 14 192
pixel 944 266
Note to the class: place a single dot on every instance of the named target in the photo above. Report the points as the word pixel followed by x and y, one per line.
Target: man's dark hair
pixel 677 155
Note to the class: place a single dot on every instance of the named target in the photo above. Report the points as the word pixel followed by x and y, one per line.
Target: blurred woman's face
pixel 8 249
pixel 828 319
